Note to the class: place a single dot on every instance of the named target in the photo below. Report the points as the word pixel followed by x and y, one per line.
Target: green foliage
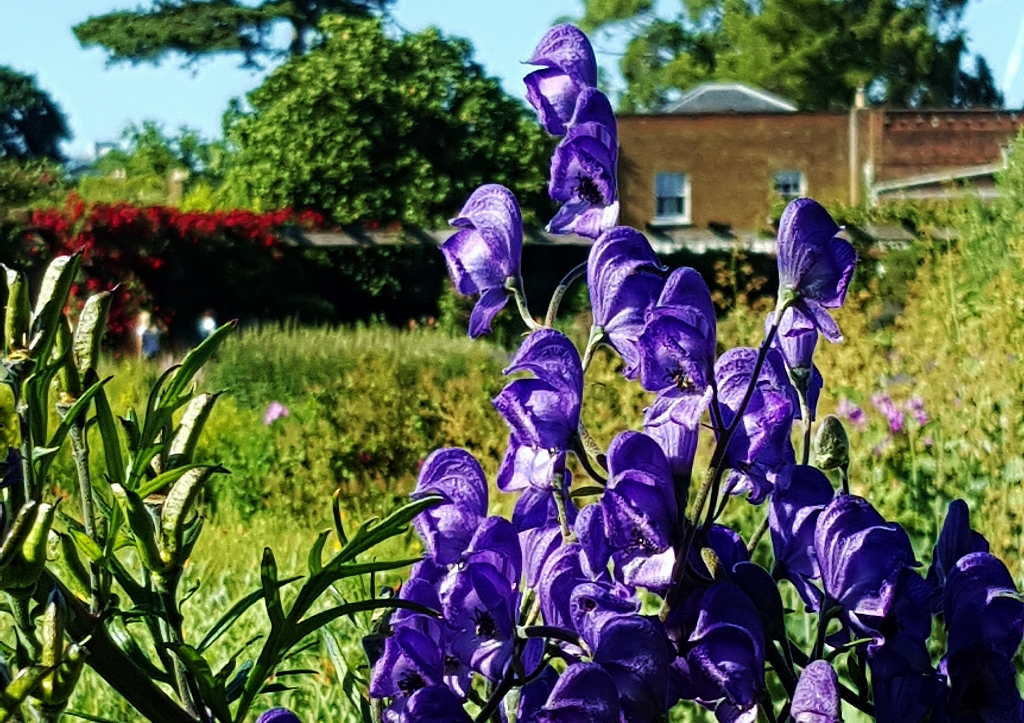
pixel 30 183
pixel 31 124
pixel 198 28
pixel 813 52
pixel 154 168
pixel 370 129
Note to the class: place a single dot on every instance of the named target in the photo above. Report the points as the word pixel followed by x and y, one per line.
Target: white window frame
pixel 674 219
pixel 802 184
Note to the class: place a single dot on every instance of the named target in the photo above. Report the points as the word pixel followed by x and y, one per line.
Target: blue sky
pixel 36 38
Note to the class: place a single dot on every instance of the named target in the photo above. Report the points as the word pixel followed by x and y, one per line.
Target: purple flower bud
pixel 486 252
pixel 625 279
pixel 815 265
pixel 584 169
pixel 570 67
pixel 447 529
pixel 816 699
pixel 278 715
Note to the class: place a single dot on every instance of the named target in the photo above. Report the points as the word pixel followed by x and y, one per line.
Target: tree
pixel 905 53
pixel 370 129
pixel 197 28
pixel 31 124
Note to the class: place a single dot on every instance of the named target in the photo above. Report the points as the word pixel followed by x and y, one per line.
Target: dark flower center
pixel 640 541
pixel 587 190
pixel 682 381
pixel 485 627
pixel 410 681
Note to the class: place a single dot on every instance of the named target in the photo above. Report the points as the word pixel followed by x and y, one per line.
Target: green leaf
pixel 50 303
pixel 315 622
pixel 89 332
pixel 271 589
pixel 108 434
pixel 179 384
pixel 190 428
pixel 315 559
pixel 373 533
pixel 211 693
pixel 233 690
pixel 228 619
pixel 170 477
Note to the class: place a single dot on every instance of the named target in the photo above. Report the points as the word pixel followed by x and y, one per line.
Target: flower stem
pixel 563 286
pixel 515 286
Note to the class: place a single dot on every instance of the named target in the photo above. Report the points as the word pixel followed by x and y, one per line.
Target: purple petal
pixel 955 540
pixel 553 94
pixel 447 529
pixel 981 606
pixel 570 68
pixel 552 358
pixel 436 704
pixel 487 307
pixel 280 715
pixel 635 651
pixel 801 493
pixel 585 693
pixel 567 48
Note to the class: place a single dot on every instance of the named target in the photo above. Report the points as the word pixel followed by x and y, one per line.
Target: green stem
pixel 515 286
pixel 805 414
pixel 563 286
pixel 80 454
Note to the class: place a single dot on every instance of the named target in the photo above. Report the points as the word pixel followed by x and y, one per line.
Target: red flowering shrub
pixel 170 262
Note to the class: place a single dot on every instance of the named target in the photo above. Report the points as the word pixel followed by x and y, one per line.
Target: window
pixel 671 198
pixel 790 185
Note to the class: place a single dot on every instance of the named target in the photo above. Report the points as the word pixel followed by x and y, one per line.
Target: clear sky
pixel 36 38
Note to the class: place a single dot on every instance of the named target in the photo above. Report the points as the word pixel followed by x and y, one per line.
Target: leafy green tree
pixel 197 28
pixel 151 164
pixel 370 129
pixel 32 126
pixel 906 53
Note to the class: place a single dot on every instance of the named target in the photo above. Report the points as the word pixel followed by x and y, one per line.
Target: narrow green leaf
pixel 190 428
pixel 236 685
pixel 228 619
pixel 167 479
pixel 111 439
pixel 192 363
pixel 50 303
pixel 87 545
pixel 372 534
pixel 212 694
pixel 92 322
pixel 271 589
pixel 315 560
pixel 315 622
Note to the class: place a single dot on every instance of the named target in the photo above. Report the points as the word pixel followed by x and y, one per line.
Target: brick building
pixel 716 162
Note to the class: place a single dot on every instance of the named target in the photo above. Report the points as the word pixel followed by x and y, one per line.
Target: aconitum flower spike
pixel 544 412
pixel 447 529
pixel 484 255
pixel 860 556
pixel 569 68
pixel 624 278
pixel 584 169
pixel 434 704
pixel 585 693
pixel 816 698
pixel 815 265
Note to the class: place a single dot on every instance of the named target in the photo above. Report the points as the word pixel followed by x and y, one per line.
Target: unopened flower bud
pixel 832 444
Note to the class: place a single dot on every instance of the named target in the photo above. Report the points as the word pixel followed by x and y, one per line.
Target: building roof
pixel 729 98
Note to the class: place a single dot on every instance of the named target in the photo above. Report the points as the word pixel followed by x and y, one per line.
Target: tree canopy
pixel 32 126
pixel 368 128
pixel 906 53
pixel 197 28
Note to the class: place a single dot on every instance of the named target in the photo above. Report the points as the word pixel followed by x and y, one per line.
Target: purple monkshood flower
pixel 569 68
pixel 677 349
pixel 801 493
pixel 725 663
pixel 956 539
pixel 584 168
pixel 983 687
pixel 815 265
pixel 816 698
pixel 640 514
pixel 677 440
pixel 447 529
pixel 796 339
pixel 278 715
pixel 544 412
pixel 760 446
pixel 275 411
pixel 535 516
pixel 585 693
pixel 625 278
pixel 636 653
pixel 893 414
pixel 434 704
pixel 981 607
pixel 484 255
pixel 860 556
